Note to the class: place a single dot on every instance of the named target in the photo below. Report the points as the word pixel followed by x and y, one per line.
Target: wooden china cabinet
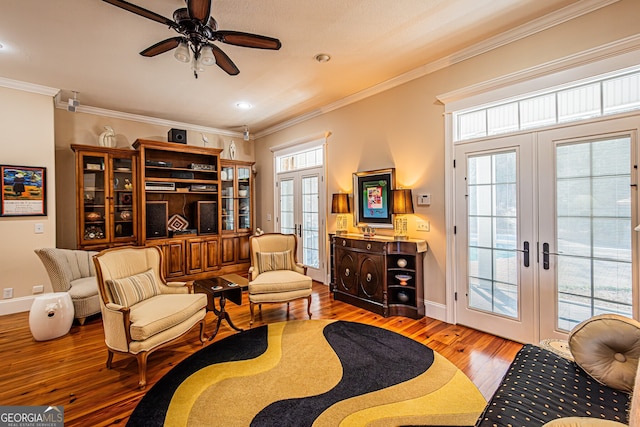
pixel 197 208
pixel 106 207
pixel 236 179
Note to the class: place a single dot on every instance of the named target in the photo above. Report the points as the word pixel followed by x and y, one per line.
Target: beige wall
pixel 404 127
pixel 84 128
pixel 26 120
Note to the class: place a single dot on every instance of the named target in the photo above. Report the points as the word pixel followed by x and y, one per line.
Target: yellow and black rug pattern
pixel 312 373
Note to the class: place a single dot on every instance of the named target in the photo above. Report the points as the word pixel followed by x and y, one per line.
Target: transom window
pixel 300 160
pixel 598 97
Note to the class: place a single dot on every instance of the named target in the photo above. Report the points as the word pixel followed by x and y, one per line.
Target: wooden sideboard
pixel 366 274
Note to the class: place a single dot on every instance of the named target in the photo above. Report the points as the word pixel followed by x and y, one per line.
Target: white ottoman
pixel 51 316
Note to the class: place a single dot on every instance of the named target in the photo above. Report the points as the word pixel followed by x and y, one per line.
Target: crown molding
pixel 537 25
pixel 28 87
pixel 149 120
pixel 590 56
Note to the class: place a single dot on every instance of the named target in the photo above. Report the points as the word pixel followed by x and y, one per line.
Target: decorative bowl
pixel 242 193
pixel 126 215
pixel 403 278
pixel 402 297
pixel 92 216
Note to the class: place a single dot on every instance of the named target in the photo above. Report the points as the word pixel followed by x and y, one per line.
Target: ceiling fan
pixel 198 30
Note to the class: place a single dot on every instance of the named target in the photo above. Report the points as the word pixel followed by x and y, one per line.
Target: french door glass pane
pixel 310 226
pixel 287 222
pixel 593 238
pixel 492 228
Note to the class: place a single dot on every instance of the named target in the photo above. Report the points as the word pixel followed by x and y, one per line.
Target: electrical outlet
pixel 38 228
pixel 38 289
pixel 7 293
pixel 423 226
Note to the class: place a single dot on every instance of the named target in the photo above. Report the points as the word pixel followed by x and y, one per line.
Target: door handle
pixel 545 256
pixel 526 253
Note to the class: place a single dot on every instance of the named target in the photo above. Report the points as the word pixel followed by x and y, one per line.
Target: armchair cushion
pixel 131 290
pixel 279 281
pixel 270 261
pixel 161 312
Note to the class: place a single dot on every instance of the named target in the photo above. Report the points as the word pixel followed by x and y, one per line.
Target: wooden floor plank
pixel 70 370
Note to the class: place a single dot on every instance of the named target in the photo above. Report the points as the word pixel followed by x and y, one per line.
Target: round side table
pixel 51 316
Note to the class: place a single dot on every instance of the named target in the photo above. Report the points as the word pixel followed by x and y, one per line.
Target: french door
pixel 545 229
pixel 587 211
pixel 494 236
pixel 302 202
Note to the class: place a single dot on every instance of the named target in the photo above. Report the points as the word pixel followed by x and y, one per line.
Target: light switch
pixel 38 228
pixel 424 199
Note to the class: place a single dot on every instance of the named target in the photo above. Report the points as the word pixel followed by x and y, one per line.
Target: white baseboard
pixel 16 305
pixel 435 310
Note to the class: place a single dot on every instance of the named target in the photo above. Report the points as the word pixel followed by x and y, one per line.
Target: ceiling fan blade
pixel 142 12
pixel 224 61
pixel 161 47
pixel 238 38
pixel 199 9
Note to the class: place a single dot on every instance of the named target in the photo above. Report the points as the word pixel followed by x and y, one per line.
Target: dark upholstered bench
pixel 541 386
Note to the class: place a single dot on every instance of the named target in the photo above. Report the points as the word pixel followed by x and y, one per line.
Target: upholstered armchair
pixel 141 312
pixel 73 271
pixel 275 276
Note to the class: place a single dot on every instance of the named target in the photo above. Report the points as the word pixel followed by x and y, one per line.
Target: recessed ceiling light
pixel 322 57
pixel 1 46
pixel 243 105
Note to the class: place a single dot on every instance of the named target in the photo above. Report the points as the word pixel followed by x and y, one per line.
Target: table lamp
pixel 402 205
pixel 340 205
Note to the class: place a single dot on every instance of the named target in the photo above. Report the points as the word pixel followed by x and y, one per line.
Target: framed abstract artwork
pixel 372 197
pixel 23 191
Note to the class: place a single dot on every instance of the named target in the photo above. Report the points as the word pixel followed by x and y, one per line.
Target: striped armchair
pixel 73 271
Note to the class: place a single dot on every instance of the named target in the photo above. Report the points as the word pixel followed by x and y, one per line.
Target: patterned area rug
pixel 312 373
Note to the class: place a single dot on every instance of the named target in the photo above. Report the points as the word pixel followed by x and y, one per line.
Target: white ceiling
pixel 92 47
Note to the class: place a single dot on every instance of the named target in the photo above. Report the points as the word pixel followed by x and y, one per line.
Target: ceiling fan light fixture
pixel 182 53
pixel 206 56
pixel 196 65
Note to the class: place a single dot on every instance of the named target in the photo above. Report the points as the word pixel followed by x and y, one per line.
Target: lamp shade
pixel 340 203
pixel 402 201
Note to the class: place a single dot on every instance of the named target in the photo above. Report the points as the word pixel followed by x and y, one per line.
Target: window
pixel 300 160
pixel 601 96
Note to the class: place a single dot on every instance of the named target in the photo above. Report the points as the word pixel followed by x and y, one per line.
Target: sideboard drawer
pixel 369 246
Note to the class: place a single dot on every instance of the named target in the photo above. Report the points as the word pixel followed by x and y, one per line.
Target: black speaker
pixel 207 217
pixel 178 135
pixel 157 218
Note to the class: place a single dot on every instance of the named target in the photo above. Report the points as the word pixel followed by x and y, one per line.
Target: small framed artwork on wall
pixel 372 197
pixel 23 191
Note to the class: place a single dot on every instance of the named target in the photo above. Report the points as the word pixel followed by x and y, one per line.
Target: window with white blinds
pixel 596 98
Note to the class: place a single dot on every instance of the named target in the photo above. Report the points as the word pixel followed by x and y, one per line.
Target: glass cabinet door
pixel 123 224
pixel 93 218
pixel 228 198
pixel 244 197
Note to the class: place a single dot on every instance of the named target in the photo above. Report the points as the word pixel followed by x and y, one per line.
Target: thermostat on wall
pixel 424 199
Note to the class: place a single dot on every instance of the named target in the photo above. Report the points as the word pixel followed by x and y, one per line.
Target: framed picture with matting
pixel 23 191
pixel 372 197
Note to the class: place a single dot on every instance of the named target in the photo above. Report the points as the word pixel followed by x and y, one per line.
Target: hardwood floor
pixel 70 370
